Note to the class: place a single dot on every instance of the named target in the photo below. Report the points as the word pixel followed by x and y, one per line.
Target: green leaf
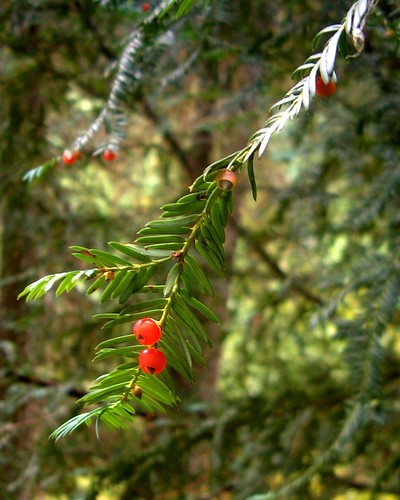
pixel 186 336
pixel 252 179
pixel 166 248
pixel 113 419
pixel 215 194
pixel 186 282
pixel 106 259
pixel 85 258
pixel 146 305
pixel 131 250
pixel 138 282
pixel 174 222
pixel 100 395
pixel 212 260
pixel 202 308
pixel 160 230
pixel 176 334
pixel 216 215
pixel 185 7
pixel 215 230
pixel 147 252
pixel 114 377
pixel 116 416
pixel 122 414
pixel 37 289
pixel 175 359
pixel 301 71
pixel 126 318
pixel 199 184
pixel 37 172
pixel 150 404
pixel 167 379
pixel 113 284
pixel 127 366
pixel 116 340
pixel 126 352
pixel 343 45
pixel 327 30
pixel 195 355
pixel 98 283
pixel 197 275
pixel 124 284
pixel 229 202
pixel 64 284
pixel 219 213
pixel 210 239
pixel 73 423
pixel 218 165
pixel 153 386
pixel 106 315
pixel 56 277
pixel 160 238
pixel 171 279
pixel 78 275
pixel 182 311
pixel 179 208
pixel 191 197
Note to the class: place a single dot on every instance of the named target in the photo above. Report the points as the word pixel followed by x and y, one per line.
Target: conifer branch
pixel 196 222
pixel 356 419
pixel 127 79
pixel 323 64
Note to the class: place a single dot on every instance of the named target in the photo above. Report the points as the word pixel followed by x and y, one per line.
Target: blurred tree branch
pixel 293 281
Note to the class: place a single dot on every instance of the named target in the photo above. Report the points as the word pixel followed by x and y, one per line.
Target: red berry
pixel 323 89
pixel 152 361
pixel 226 180
pixel 109 155
pixel 146 7
pixel 147 331
pixel 70 157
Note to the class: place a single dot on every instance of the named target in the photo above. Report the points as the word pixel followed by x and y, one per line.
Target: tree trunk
pixel 22 137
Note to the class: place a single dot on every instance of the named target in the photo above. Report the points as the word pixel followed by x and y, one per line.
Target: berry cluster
pixel 148 333
pixel 70 157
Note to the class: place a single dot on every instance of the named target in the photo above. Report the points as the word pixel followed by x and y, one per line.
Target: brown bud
pixel 137 391
pixel 109 275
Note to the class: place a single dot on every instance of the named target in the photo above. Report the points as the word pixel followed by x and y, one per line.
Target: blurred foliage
pixel 310 337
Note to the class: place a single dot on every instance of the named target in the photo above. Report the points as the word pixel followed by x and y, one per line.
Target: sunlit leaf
pixel 154 386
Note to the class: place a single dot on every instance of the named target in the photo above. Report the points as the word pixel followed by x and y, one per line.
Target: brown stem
pixel 294 285
pixel 187 162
